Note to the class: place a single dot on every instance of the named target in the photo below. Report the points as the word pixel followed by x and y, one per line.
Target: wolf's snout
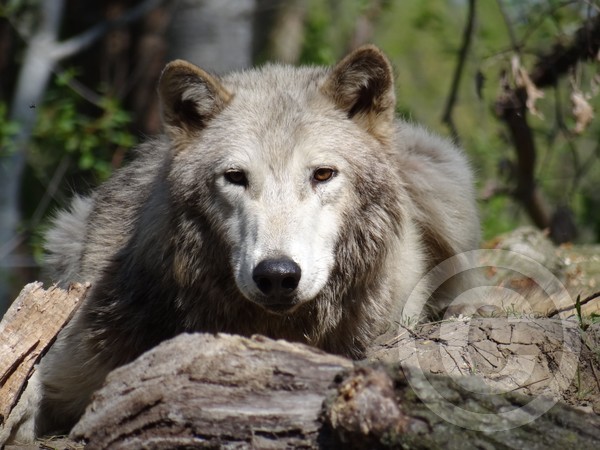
pixel 277 278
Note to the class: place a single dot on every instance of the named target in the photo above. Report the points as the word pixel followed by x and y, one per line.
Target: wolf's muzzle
pixel 277 279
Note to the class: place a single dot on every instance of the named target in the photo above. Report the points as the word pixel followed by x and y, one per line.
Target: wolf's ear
pixel 362 85
pixel 190 97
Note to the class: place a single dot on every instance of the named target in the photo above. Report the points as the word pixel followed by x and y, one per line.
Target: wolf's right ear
pixel 190 97
pixel 362 85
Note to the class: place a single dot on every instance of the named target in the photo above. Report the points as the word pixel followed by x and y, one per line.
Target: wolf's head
pixel 288 167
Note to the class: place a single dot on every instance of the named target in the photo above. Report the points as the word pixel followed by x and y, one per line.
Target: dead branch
pixel 462 56
pixel 584 47
pixel 511 107
pixel 573 306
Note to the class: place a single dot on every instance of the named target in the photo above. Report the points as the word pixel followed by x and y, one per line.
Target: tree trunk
pixel 214 34
pixel 279 30
pixel 35 72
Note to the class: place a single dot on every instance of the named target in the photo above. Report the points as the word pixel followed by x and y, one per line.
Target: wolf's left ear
pixel 190 97
pixel 362 85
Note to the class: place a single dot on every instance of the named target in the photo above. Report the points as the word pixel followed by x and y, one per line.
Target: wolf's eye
pixel 235 176
pixel 323 174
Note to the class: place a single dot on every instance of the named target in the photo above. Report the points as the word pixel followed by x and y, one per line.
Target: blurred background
pixel 515 82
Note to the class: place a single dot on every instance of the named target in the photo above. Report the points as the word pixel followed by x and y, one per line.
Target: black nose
pixel 277 278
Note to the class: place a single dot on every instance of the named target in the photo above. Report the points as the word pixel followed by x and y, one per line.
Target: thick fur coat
pixel 282 201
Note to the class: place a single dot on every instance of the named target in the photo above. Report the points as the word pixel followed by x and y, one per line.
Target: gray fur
pixel 157 239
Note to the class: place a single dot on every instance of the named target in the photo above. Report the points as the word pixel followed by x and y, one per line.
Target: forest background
pixel 515 82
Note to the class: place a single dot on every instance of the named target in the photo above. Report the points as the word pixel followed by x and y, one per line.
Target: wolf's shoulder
pixel 421 152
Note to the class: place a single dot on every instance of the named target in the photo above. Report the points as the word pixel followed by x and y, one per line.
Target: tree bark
pixel 535 357
pixel 224 392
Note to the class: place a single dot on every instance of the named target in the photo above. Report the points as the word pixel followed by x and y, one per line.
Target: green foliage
pixel 89 136
pixel 498 215
pixel 10 7
pixel 316 48
pixel 72 147
pixel 22 13
pixel 329 28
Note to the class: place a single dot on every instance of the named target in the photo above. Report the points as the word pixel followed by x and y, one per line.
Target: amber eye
pixel 235 176
pixel 323 174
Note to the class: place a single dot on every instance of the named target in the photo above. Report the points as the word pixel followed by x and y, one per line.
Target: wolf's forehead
pixel 273 106
pixel 274 89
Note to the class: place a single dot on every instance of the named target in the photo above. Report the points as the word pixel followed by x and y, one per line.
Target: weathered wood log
pixel 223 391
pixel 27 330
pixel 201 390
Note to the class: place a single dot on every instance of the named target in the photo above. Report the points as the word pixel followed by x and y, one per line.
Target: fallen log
pixel 214 391
pixel 222 391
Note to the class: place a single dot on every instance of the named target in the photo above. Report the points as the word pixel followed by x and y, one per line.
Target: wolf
pixel 282 201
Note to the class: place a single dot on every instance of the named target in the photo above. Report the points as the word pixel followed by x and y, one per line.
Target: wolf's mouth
pixel 279 309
